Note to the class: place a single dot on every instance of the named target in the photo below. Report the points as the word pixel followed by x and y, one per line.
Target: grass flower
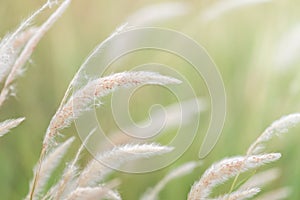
pixel 9 124
pixel 278 127
pixel 223 170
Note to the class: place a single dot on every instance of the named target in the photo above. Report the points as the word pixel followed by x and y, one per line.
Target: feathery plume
pixel 223 170
pixel 83 99
pixel 22 26
pixel 152 193
pixel 76 79
pixel 67 182
pixel 28 49
pixel 91 193
pixel 95 171
pixel 278 127
pixel 21 60
pixel 10 49
pixel 240 194
pixel 9 124
pixel 64 186
pixel 48 165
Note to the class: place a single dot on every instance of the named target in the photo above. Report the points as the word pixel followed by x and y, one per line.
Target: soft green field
pixel 243 42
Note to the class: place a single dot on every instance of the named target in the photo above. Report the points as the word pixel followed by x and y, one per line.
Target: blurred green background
pixel 243 42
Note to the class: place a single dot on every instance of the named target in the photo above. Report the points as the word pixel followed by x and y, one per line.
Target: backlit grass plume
pixel 49 164
pixel 62 173
pixel 11 59
pixel 88 182
pixel 9 124
pixel 10 49
pixel 72 106
pixel 15 50
pixel 84 99
pixel 225 169
pixel 278 127
pixel 95 171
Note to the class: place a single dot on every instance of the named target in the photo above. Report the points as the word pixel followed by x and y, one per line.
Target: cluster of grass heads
pixel 255 44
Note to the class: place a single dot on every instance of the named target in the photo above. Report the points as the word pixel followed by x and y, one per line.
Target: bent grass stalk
pixel 85 185
pixel 225 169
pixel 29 47
pixel 72 168
pixel 9 124
pixel 95 171
pixel 10 49
pixel 49 164
pixel 82 100
pixel 278 127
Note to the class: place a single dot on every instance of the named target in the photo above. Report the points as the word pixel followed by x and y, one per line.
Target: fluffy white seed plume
pixel 278 194
pixel 91 193
pixel 223 170
pixel 95 171
pixel 64 186
pixel 152 194
pixel 158 12
pixel 240 194
pixel 222 7
pixel 29 48
pixel 9 124
pixel 48 165
pixel 85 98
pixel 67 182
pixel 10 49
pixel 261 179
pixel 11 37
pixel 288 48
pixel 79 76
pixel 278 127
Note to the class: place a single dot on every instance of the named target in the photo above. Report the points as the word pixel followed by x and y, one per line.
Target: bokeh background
pixel 255 46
